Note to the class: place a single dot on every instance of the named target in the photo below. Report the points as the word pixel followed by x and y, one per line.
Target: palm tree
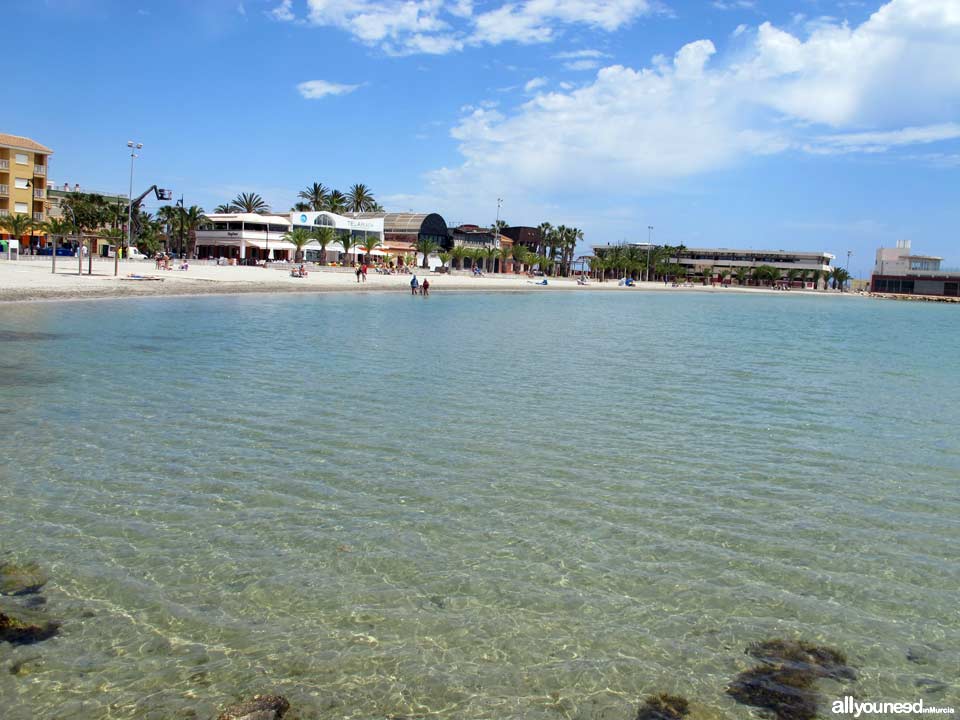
pixel 839 276
pixel 336 203
pixel 315 196
pixel 458 253
pixel 190 219
pixel 299 237
pixel 324 236
pixel 707 272
pixel 444 258
pixel 426 245
pixel 56 228
pixel 224 208
pixel 490 256
pixel 360 199
pixel 301 207
pixel 794 275
pixel 370 243
pixel 741 273
pixel 723 274
pixel 546 230
pixel 523 256
pixel 250 203
pixel 348 242
pixel 505 252
pixel 17 225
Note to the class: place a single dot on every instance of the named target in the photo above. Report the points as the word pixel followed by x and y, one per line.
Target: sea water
pixel 477 505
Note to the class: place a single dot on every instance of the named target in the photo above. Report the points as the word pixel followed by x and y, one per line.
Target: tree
pixel 370 243
pixel 91 210
pixel 301 207
pixel 766 273
pixel 190 219
pixel 17 225
pixel 360 199
pixel 458 253
pixel 348 242
pixel 56 228
pixel 707 271
pixel 324 236
pixel 490 256
pixel 225 208
pixel 336 203
pixel 598 264
pixel 426 245
pixel 723 274
pixel 505 253
pixel 546 231
pixel 315 196
pixel 741 274
pixel 444 258
pixel 299 237
pixel 839 276
pixel 250 203
pixel 794 275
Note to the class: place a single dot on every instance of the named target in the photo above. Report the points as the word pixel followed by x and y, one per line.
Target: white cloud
pixel 891 82
pixel 283 11
pixel 534 84
pixel 578 54
pixel 580 65
pixel 316 89
pixel 734 4
pixel 881 141
pixel 442 26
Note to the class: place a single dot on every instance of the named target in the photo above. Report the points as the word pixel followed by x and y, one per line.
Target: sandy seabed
pixel 32 280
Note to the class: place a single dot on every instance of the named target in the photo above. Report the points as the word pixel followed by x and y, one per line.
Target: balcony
pixel 4 213
pixel 39 169
pixel 4 164
pixel 4 191
pixel 38 216
pixel 39 193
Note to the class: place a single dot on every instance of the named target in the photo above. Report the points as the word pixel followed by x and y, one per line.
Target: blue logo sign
pixel 303 218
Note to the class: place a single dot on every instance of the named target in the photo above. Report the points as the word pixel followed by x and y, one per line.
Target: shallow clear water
pixel 477 505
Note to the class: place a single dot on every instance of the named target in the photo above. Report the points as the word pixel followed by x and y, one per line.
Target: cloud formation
pixel 316 89
pixel 891 82
pixel 438 27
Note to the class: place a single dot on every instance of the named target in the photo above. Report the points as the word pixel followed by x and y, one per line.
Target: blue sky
pixel 810 124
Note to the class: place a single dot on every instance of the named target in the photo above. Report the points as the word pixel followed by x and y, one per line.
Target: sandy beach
pixel 31 280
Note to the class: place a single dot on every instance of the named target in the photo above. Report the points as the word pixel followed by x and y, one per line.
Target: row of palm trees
pixel 315 197
pixel 629 261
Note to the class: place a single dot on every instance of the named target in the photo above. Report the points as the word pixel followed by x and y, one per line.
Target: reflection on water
pixel 479 506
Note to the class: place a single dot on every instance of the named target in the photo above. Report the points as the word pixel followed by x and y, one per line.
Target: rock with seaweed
pixel 787 693
pixel 260 707
pixel 22 627
pixel 21 578
pixel 784 681
pixel 818 659
pixel 663 707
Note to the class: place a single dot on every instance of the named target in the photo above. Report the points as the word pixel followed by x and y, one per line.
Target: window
pixel 21 159
pixel 20 208
pixel 21 183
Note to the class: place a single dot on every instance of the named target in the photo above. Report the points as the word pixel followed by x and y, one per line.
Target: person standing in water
pixel 425 287
pixel 414 285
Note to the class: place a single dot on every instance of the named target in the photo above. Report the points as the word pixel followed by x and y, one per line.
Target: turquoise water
pixel 477 505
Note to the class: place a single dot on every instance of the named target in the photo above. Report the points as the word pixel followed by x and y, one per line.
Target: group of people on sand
pixel 361 271
pixel 165 262
pixel 299 272
pixel 419 288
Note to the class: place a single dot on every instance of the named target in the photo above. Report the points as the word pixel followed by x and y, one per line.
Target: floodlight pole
pixel 649 243
pixel 134 146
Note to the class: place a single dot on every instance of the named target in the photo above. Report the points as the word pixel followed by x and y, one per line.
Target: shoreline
pixel 31 281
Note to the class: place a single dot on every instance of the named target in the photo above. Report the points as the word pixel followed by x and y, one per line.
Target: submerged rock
pixel 24 630
pixel 788 693
pixel 261 707
pixel 21 579
pixel 799 655
pixel 663 707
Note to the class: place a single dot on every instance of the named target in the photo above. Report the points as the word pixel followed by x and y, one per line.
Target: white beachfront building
pixel 252 237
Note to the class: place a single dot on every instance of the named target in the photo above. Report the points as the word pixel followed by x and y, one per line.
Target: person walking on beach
pixel 363 272
pixel 358 273
pixel 425 287
pixel 414 285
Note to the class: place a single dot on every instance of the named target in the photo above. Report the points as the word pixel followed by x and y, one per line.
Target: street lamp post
pixel 496 228
pixel 134 146
pixel 649 243
pixel 182 214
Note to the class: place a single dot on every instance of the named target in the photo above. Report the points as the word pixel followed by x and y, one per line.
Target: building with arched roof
pixel 402 231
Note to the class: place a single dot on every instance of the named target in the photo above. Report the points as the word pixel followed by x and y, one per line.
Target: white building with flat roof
pixel 899 270
pixel 255 237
